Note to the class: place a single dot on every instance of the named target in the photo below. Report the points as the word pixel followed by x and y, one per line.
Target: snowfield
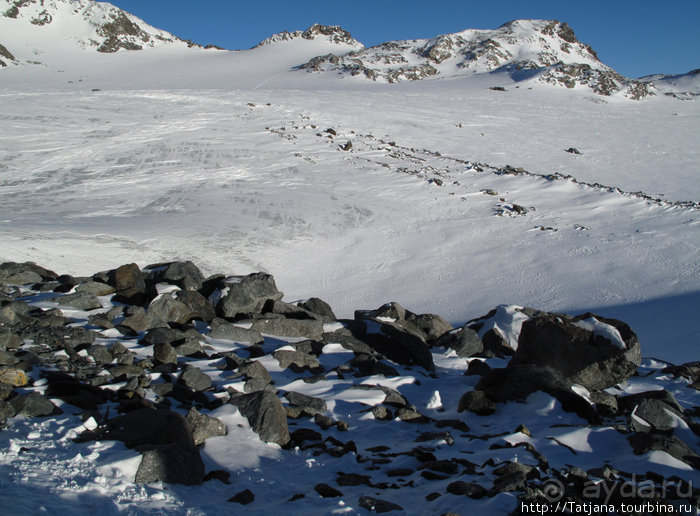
pixel 444 195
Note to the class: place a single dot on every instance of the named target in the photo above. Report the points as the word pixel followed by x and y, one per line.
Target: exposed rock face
pixel 246 295
pixel 524 49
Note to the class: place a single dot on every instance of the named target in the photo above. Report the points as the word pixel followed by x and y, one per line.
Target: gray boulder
pixel 282 326
pixel 244 295
pixel 266 415
pixel 222 329
pixel 33 405
pixel 172 463
pixel 464 341
pixel 185 275
pixel 80 300
pixel 204 427
pixel 578 354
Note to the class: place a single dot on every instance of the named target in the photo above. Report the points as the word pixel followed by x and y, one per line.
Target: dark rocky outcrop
pixel 265 414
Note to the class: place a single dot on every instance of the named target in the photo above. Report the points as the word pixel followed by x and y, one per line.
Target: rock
pixel 653 415
pixel 8 359
pixel 13 312
pixel 643 442
pixel 255 370
pixel 265 414
pixel 320 308
pixel 244 497
pixel 6 391
pixel 376 505
pixel 691 371
pixel 137 320
pixel 281 326
pixel 199 306
pixel 572 150
pixel 629 402
pixel 60 337
pixel 100 354
pixel 172 463
pixel 298 361
pixel 204 427
pixel 33 405
pixel 464 341
pixel 222 329
pixel 73 392
pixel 13 376
pixel 470 489
pixel 477 368
pixel 327 491
pixel 194 378
pixel 394 341
pixel 304 401
pixel 347 146
pixel 477 402
pixel 94 288
pixel 6 411
pixel 164 353
pixel 588 350
pixel 508 483
pixel 353 479
pixel 185 275
pixel 246 295
pixel 8 339
pixel 168 309
pixel 13 273
pixel 80 301
pixel 129 283
pixel 144 427
pixel 432 326
pixel 382 413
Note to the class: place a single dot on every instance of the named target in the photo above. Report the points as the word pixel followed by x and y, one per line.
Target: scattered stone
pixel 265 414
pixel 204 427
pixel 327 491
pixel 194 378
pixel 304 401
pixel 572 150
pixel 478 402
pixel 222 329
pixel 14 377
pixel 246 295
pixel 33 405
pixel 470 489
pixel 80 300
pixel 172 463
pixel 243 498
pixel 379 506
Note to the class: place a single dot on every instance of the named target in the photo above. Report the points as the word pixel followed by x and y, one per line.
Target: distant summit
pixel 331 33
pixel 28 25
pixel 544 49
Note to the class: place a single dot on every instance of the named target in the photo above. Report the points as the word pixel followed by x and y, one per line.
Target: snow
pixel 600 329
pixel 215 157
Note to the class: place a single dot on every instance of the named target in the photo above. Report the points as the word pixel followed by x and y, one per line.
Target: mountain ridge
pixel 532 52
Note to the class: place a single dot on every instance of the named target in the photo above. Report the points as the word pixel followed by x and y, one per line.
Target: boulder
pixel 80 300
pixel 265 414
pixel 33 405
pixel 222 329
pixel 244 497
pixel 319 308
pixel 477 402
pixel 379 506
pixel 395 342
pixel 304 401
pixel 194 378
pixel 282 326
pixel 246 295
pixel 298 361
pixel 200 307
pixel 464 341
pixel 185 275
pixel 204 427
pixel 172 463
pixel 588 350
pixel 167 308
pixel 94 288
pixel 13 273
pixel 130 286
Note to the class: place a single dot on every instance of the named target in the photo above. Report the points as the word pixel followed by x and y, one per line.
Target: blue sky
pixel 635 38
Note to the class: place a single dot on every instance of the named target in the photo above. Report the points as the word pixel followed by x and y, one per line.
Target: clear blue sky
pixel 635 38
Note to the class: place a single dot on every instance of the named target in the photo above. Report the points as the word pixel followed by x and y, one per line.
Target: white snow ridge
pixel 158 197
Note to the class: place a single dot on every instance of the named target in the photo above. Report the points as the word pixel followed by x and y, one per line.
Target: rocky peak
pixel 333 33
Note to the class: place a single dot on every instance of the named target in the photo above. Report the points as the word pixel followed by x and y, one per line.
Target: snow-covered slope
pixel 522 49
pixel 684 86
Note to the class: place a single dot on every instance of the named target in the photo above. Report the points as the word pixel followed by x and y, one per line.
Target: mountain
pixel 523 49
pixel 332 34
pixel 682 86
pixel 31 28
pixel 532 52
